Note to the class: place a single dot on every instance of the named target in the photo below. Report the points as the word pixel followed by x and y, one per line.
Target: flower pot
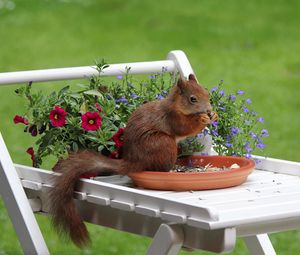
pixel 197 180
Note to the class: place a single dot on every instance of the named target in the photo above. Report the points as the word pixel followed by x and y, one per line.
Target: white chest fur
pixel 180 138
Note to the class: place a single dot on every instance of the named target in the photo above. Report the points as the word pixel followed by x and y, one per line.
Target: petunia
pixel 30 151
pixel 117 137
pixel 33 130
pixel 58 117
pixel 20 119
pixel 91 121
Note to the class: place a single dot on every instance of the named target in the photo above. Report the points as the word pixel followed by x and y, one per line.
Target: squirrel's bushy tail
pixel 65 217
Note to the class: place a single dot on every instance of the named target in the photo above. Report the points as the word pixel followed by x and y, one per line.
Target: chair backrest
pixel 176 61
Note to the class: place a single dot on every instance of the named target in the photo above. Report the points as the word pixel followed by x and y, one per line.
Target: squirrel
pixel 149 144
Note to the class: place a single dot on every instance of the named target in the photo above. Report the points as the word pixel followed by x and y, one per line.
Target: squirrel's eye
pixel 193 99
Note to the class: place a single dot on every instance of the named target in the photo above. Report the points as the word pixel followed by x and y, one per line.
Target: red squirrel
pixel 149 144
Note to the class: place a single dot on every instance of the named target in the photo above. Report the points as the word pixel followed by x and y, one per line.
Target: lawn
pixel 251 45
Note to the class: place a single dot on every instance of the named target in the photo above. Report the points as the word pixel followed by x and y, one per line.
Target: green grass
pixel 251 45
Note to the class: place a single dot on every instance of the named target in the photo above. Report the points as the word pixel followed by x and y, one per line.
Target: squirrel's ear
pixel 192 77
pixel 181 83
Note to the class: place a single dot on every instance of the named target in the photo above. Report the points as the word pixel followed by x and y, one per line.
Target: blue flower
pixel 213 89
pixel 221 108
pixel 122 100
pixel 205 131
pixel 228 137
pixel 261 120
pixel 152 76
pixel 119 77
pixel 200 135
pixel 164 92
pixel 159 97
pixel 247 147
pixel 222 93
pixel 214 132
pixel 253 135
pixel 228 144
pixel 234 131
pixel 214 124
pixel 257 161
pixel 240 92
pixel 134 96
pixel 264 132
pixel 248 155
pixel 245 109
pixel 260 145
pixel 248 101
pixel 232 97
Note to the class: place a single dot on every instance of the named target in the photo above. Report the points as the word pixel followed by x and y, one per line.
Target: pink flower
pixel 117 138
pixel 30 151
pixel 91 121
pixel 58 117
pixel 20 119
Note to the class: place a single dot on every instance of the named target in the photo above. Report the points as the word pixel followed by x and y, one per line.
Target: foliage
pixel 92 117
pixel 239 129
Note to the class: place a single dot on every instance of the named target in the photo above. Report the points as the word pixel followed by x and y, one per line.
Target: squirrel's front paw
pixel 213 116
pixel 205 119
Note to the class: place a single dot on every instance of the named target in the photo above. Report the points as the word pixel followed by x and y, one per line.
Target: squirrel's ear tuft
pixel 192 77
pixel 181 83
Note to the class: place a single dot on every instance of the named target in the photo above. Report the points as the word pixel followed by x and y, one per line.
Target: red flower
pixel 91 121
pixel 30 151
pixel 20 119
pixel 58 117
pixel 98 107
pixel 117 137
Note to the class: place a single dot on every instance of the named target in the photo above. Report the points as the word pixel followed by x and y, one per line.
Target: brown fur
pixel 149 144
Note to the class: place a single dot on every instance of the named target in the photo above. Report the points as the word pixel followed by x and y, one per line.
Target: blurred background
pixel 250 45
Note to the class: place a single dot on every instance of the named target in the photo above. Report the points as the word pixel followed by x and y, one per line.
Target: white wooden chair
pixel 208 220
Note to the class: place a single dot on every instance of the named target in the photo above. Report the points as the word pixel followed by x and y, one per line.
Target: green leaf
pixel 94 93
pixel 63 90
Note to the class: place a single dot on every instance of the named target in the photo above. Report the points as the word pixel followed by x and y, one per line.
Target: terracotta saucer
pixel 197 180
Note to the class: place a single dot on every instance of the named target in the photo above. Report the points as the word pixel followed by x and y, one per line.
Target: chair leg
pixel 259 245
pixel 168 240
pixel 18 207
